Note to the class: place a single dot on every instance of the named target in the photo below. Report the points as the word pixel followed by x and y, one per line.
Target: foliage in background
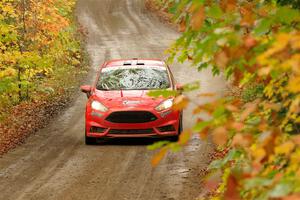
pixel 39 46
pixel 256 45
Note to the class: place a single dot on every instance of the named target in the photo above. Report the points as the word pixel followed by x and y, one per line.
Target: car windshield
pixel 133 78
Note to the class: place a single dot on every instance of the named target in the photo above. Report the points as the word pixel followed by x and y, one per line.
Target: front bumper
pixel 166 124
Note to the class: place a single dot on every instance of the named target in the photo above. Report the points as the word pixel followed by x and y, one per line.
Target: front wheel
pixel 176 137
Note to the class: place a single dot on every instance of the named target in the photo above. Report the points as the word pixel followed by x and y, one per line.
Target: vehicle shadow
pixel 127 141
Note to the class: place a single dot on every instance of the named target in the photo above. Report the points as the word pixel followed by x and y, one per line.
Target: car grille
pixel 131 117
pixel 130 131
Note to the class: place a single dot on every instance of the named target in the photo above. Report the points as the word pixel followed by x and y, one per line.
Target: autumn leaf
pixel 204 133
pixel 197 18
pixel 221 59
pixel 220 136
pixel 208 94
pixel 249 41
pixel 285 148
pixel 180 102
pixel 158 157
pixel 185 137
pixel 258 154
pixel 238 126
pixel 228 5
pixel 296 139
pixel 249 108
pixel 294 84
pixel 232 192
pixel 247 15
pixel 182 25
pixel 242 140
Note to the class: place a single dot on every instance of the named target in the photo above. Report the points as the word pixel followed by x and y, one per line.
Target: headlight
pixel 165 105
pixel 96 105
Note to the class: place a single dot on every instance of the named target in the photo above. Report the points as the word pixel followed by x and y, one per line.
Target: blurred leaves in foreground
pixel 256 45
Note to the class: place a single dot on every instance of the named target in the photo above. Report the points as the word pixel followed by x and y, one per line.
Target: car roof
pixel 135 62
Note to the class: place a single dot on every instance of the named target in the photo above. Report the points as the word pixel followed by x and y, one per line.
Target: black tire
pixel 90 140
pixel 176 137
pixel 180 124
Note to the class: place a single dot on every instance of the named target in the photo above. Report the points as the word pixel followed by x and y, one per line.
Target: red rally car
pixel 118 104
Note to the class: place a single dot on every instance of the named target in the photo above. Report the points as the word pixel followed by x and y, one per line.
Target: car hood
pixel 127 98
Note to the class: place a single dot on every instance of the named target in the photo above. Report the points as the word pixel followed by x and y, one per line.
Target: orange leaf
pixel 238 126
pixel 220 136
pixel 292 197
pixel 231 108
pixel 182 26
pixel 249 41
pixel 296 139
pixel 197 18
pixel 204 133
pixel 197 110
pixel 247 15
pixel 221 59
pixel 249 108
pixel 232 192
pixel 158 157
pixel 228 5
pixel 180 102
pixel 242 140
pixel 206 94
pixel 185 137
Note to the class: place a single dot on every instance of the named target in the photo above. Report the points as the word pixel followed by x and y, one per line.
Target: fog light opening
pixel 166 128
pixel 95 129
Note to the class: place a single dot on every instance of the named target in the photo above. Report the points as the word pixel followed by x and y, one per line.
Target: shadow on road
pixel 127 141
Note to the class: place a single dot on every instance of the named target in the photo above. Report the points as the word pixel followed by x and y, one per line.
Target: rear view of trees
pixel 37 41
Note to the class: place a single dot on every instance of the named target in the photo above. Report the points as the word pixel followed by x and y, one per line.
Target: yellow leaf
pixel 294 84
pixel 258 154
pixel 286 148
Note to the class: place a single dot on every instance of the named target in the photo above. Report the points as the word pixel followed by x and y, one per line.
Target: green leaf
pixel 219 111
pixel 191 86
pixel 263 27
pixel 157 145
pixel 281 189
pixel 214 11
pixel 257 181
pixel 216 164
pixel 287 15
pixel 201 125
pixel 163 93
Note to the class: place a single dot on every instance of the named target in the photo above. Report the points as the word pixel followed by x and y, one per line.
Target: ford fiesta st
pixel 118 104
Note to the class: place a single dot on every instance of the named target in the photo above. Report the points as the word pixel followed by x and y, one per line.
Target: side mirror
pixel 86 89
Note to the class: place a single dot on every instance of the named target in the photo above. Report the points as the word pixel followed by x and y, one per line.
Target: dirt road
pixel 55 164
